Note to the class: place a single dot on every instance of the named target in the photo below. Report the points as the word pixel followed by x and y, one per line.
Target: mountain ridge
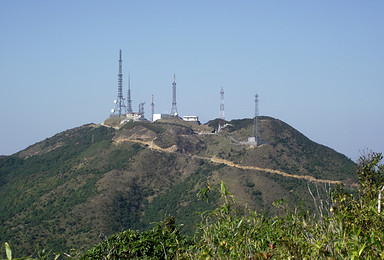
pixel 69 188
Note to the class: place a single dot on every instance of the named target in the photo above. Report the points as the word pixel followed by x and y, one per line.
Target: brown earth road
pixel 255 168
pixel 172 149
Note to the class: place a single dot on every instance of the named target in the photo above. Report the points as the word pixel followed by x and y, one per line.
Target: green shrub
pixel 162 242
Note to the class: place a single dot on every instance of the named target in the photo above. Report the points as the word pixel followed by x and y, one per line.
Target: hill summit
pixel 67 190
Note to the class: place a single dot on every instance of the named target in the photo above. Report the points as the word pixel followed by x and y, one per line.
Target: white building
pixel 134 117
pixel 191 118
pixel 159 116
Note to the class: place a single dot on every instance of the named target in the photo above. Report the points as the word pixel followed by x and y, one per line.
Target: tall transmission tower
pixel 129 100
pixel 120 99
pixel 222 115
pixel 256 119
pixel 174 108
pixel 152 108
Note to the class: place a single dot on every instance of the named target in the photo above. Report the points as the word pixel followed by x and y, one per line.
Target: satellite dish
pixel 112 110
pixel 115 101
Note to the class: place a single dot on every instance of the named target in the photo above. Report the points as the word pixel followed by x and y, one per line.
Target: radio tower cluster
pixel 125 111
pixel 121 110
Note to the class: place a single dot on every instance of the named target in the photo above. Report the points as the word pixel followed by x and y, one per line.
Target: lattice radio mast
pixel 129 100
pixel 174 108
pixel 152 108
pixel 256 119
pixel 222 114
pixel 120 99
pixel 141 108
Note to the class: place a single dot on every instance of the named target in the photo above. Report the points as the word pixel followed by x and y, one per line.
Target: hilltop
pixel 67 190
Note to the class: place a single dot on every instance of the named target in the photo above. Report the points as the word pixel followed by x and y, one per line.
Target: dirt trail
pixel 172 149
pixel 255 168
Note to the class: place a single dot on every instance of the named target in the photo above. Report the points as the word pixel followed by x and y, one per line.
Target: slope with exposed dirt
pixel 63 192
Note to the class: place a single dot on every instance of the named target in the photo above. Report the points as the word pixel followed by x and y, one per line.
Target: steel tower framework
pixel 222 114
pixel 141 108
pixel 129 100
pixel 152 107
pixel 256 119
pixel 174 108
pixel 120 99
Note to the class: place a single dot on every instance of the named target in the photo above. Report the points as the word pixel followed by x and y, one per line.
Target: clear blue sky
pixel 317 65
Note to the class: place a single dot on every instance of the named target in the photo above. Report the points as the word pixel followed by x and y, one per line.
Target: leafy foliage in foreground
pixel 346 225
pixel 162 242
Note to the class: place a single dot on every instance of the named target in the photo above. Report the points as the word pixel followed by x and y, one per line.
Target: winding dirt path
pixel 255 168
pixel 309 178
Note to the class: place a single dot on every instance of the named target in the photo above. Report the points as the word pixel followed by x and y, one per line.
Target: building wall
pixel 191 118
pixel 159 116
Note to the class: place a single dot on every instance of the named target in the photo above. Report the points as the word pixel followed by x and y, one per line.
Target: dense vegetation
pixel 66 191
pixel 345 226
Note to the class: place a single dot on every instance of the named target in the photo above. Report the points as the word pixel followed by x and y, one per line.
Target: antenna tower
pixel 222 115
pixel 120 99
pixel 141 108
pixel 152 108
pixel 256 119
pixel 174 108
pixel 129 100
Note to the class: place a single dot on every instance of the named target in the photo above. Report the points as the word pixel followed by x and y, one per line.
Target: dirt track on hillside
pixel 152 145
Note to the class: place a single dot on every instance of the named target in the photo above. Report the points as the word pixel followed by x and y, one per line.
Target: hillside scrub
pixel 345 226
pixel 65 190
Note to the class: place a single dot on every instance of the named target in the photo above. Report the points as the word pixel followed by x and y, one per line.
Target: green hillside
pixel 89 182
